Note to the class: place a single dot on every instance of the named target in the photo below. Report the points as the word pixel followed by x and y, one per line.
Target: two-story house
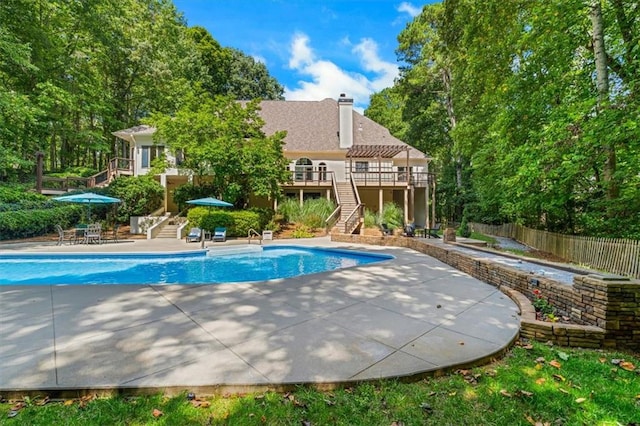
pixel 334 152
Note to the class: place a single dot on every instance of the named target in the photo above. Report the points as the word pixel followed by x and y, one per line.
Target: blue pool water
pixel 199 267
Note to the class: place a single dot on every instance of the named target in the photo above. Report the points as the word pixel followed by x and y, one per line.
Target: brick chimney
pixel 345 111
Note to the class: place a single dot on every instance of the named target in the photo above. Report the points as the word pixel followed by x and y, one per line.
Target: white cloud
pixel 367 49
pixel 301 54
pixel 326 79
pixel 410 9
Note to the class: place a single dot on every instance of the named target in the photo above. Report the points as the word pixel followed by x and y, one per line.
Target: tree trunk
pixel 453 122
pixel 602 84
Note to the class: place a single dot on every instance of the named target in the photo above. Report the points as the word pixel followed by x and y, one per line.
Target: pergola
pixel 390 151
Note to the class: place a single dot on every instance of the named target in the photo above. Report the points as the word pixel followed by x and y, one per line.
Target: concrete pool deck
pixel 409 316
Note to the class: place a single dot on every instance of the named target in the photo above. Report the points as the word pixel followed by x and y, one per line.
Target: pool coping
pixel 406 341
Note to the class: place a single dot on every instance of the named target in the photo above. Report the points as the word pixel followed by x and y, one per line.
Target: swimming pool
pixel 252 263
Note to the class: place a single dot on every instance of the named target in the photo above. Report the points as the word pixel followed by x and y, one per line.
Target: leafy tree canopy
pixel 223 140
pixel 530 108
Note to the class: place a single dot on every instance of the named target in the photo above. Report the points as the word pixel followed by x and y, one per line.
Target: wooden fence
pixel 613 255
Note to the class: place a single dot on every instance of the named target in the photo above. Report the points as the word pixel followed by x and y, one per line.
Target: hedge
pixel 237 223
pixel 32 223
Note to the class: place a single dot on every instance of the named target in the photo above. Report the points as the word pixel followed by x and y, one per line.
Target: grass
pixel 482 237
pixel 533 384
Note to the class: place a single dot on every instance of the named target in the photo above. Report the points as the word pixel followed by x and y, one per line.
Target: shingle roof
pixel 314 125
pixel 127 134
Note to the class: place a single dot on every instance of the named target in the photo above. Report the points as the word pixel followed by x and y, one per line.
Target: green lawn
pixel 534 384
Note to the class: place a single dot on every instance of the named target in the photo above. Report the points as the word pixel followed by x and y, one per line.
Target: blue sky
pixel 315 49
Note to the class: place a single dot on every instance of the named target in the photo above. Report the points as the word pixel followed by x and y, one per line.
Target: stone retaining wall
pixel 605 309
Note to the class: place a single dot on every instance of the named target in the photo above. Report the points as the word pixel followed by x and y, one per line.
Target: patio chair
pixel 220 234
pixel 194 235
pixel 433 232
pixel 113 236
pixel 63 235
pixel 93 234
pixel 385 230
pixel 409 230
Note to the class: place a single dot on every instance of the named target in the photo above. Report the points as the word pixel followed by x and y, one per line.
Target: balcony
pixel 305 178
pixel 310 178
pixel 392 178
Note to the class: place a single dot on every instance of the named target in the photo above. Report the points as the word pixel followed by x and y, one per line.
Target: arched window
pixel 304 169
pixel 322 172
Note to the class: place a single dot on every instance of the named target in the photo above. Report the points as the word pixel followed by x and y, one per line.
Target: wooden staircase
pixel 348 203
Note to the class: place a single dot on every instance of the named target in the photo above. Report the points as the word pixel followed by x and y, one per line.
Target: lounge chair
pixel 409 230
pixel 194 235
pixel 220 234
pixel 385 230
pixel 433 232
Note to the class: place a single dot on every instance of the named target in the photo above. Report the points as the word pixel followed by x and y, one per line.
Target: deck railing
pixel 392 178
pixel 115 167
pixel 371 178
pixel 311 177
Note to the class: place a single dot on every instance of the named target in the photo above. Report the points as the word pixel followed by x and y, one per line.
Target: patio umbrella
pixel 209 202
pixel 88 198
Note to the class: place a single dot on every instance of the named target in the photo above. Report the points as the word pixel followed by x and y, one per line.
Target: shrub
pixel 311 214
pixel 314 212
pixel 464 230
pixel 266 215
pixel 186 192
pixel 32 223
pixel 290 210
pixel 370 219
pixel 237 223
pixel 140 196
pixel 17 194
pixel 392 215
pixel 302 232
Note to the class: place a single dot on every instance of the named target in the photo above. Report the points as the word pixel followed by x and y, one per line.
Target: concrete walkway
pixel 402 317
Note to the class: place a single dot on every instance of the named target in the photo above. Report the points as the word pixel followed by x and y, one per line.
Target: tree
pixel 224 146
pixel 250 79
pixel 535 103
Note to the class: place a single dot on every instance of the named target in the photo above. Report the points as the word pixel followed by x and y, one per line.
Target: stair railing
pixel 335 215
pixel 355 218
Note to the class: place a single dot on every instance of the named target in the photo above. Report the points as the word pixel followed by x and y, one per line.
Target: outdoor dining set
pixel 87 234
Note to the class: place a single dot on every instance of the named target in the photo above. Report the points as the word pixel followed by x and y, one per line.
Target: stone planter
pixel 449 235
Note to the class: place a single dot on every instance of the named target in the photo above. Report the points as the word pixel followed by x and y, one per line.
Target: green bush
pixel 302 231
pixel 464 230
pixel 16 194
pixel 79 171
pixel 392 215
pixel 237 223
pixel 311 214
pixel 33 223
pixel 266 216
pixel 186 192
pixel 316 211
pixel 290 210
pixel 140 196
pixel 370 219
